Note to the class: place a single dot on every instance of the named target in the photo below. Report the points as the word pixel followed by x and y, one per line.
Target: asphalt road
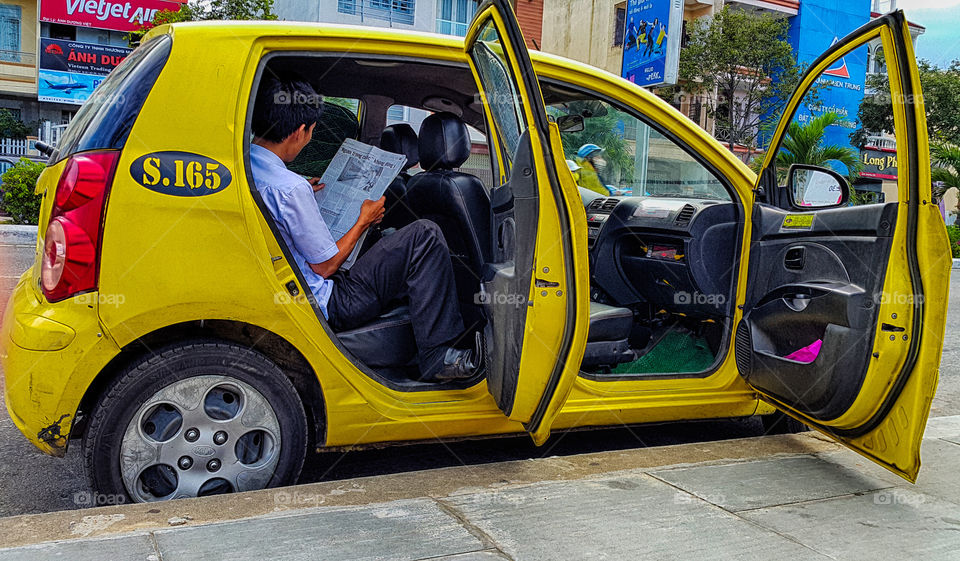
pixel 31 482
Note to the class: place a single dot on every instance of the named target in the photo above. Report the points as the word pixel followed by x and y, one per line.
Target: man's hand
pixel 315 183
pixel 371 212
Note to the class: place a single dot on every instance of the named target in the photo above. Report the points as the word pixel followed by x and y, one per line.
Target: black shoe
pixel 460 364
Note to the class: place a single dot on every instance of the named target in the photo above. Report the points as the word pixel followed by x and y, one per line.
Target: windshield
pixel 618 154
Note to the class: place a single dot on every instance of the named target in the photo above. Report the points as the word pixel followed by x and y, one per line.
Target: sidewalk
pixel 777 497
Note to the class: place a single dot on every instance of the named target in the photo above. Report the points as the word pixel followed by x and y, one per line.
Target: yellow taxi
pixel 165 327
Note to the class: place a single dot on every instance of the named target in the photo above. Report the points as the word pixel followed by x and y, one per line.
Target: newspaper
pixel 356 173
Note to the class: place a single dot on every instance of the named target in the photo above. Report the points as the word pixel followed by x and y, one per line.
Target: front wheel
pixel 193 420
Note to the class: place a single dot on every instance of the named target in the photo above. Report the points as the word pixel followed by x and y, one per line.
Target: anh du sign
pixel 69 70
pixel 104 14
pixel 651 41
pixel 85 58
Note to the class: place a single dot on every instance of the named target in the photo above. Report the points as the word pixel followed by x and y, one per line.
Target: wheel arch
pixel 280 351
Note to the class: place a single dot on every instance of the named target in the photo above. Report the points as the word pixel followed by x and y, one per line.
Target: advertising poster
pixel 65 87
pixel 819 25
pixel 651 41
pixel 104 14
pixel 69 70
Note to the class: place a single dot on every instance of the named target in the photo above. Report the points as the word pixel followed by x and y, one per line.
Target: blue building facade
pixel 818 25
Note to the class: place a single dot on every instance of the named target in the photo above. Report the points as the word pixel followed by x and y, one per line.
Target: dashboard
pixel 674 254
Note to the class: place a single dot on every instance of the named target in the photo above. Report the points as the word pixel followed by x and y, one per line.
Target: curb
pixel 113 521
pixel 17 234
pixel 956 263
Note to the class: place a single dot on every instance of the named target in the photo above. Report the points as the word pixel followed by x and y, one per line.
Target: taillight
pixel 71 253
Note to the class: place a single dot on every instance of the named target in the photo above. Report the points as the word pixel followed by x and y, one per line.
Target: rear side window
pixel 105 120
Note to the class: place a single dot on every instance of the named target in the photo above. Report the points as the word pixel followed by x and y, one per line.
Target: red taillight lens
pixel 71 256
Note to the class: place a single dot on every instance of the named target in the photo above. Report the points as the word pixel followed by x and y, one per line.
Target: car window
pixel 619 153
pixel 500 91
pixel 105 120
pixel 852 135
pixel 338 122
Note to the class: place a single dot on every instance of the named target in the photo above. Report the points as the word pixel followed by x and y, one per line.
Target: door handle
pixel 797 302
pixel 794 258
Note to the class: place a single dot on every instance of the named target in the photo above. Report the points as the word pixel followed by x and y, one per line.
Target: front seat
pixel 399 139
pixel 457 202
pixel 608 339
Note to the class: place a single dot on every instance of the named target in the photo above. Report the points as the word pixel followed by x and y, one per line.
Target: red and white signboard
pixel 116 15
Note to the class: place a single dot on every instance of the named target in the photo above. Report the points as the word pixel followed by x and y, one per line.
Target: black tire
pixel 779 423
pixel 194 362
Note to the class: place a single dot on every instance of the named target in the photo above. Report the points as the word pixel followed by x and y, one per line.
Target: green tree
pixel 739 51
pixel 803 144
pixel 19 184
pixel 941 96
pixel 11 127
pixel 946 168
pixel 211 10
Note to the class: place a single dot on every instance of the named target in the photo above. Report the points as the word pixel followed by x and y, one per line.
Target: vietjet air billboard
pixel 116 15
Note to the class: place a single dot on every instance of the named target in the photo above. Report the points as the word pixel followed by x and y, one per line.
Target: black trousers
pixel 413 263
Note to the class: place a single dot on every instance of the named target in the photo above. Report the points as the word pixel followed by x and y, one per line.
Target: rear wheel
pixel 193 420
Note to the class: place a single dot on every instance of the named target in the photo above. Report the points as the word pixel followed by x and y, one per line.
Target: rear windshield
pixel 105 120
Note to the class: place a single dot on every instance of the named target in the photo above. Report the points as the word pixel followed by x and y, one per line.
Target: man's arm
pixel 371 212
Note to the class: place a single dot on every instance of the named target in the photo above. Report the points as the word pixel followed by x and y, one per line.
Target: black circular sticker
pixel 182 174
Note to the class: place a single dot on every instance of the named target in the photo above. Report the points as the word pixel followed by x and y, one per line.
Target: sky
pixel 941 42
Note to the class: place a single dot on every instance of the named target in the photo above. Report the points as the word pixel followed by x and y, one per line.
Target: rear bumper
pixel 50 354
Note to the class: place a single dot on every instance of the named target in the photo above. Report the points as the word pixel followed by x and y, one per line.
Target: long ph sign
pixel 651 41
pixel 104 14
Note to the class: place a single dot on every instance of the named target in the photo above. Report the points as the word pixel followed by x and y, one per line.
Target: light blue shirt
pixel 290 200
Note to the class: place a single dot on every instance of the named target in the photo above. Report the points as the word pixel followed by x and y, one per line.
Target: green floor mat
pixel 678 351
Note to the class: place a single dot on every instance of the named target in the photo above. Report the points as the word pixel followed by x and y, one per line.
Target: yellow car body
pixel 176 267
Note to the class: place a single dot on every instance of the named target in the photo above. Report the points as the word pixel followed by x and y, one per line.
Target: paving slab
pixel 623 517
pixel 889 524
pixel 358 533
pixel 138 548
pixel 473 556
pixel 942 427
pixel 768 482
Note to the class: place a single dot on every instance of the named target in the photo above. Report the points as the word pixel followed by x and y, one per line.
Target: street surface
pixel 34 483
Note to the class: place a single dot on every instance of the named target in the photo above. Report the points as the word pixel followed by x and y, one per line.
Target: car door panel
pixel 535 302
pixel 822 284
pixel 850 280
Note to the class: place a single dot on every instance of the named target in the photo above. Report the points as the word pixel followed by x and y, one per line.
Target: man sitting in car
pixel 414 263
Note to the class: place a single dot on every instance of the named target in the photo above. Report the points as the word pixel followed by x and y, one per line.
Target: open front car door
pixel 535 285
pixel 844 314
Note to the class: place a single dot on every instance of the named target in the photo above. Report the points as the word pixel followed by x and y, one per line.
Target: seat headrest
pixel 401 139
pixel 444 142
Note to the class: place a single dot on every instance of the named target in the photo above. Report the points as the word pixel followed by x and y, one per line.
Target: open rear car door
pixel 535 287
pixel 844 314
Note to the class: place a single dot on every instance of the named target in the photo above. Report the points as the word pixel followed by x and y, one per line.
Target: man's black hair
pixel 282 105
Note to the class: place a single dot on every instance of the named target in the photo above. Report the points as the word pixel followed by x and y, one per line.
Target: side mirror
pixel 813 187
pixel 570 123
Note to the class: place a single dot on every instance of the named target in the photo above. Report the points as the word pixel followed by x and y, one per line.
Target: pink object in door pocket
pixel 807 354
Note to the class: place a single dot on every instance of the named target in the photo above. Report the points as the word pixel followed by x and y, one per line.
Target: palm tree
pixel 946 170
pixel 803 144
